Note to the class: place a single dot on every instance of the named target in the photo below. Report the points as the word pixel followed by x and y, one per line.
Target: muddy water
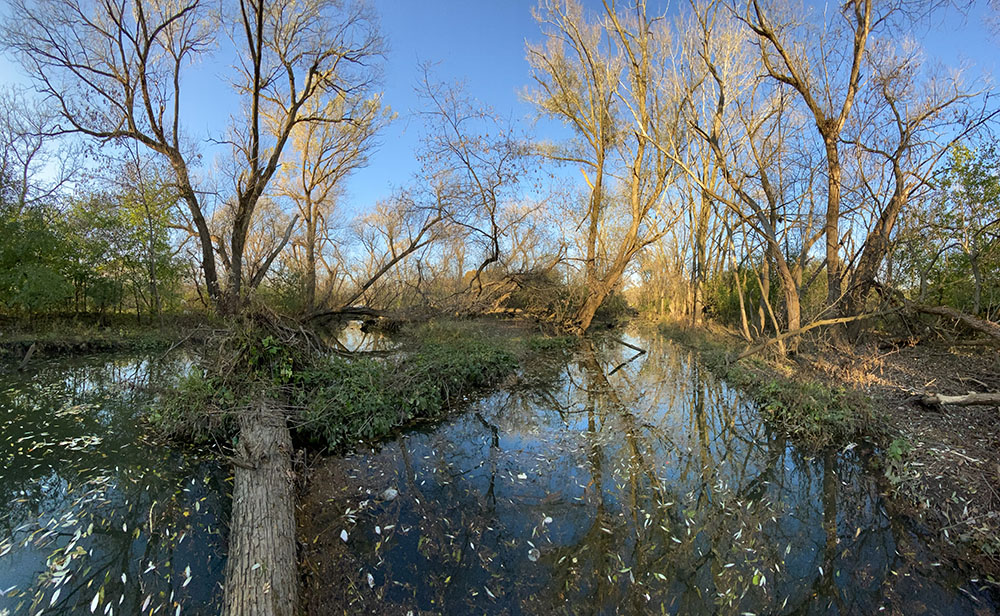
pixel 93 517
pixel 609 486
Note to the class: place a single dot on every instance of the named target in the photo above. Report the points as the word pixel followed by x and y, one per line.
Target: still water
pixel 592 485
pixel 609 486
pixel 93 517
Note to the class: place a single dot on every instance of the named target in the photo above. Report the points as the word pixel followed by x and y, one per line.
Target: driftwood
pixel 349 312
pixel 936 401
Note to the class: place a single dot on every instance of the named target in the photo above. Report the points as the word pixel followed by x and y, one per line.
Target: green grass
pixel 345 400
pixel 338 401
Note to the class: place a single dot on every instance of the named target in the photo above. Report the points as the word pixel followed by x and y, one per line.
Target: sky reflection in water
pixel 653 489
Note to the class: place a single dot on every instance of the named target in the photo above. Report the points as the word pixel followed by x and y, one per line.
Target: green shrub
pixel 196 411
pixel 344 400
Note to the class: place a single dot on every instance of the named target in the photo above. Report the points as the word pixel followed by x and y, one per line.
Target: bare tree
pixel 827 81
pixel 114 71
pixel 27 147
pixel 597 74
pixel 906 126
pixel 325 154
pixel 484 161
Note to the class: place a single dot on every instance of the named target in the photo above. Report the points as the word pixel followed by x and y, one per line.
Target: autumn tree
pixel 324 155
pixel 908 121
pixel 827 77
pixel 598 74
pixel 115 71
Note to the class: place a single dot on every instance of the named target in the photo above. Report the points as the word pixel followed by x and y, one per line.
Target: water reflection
pixel 355 337
pixel 93 518
pixel 644 488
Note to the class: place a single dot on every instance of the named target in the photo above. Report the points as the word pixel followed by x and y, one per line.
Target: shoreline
pixel 936 467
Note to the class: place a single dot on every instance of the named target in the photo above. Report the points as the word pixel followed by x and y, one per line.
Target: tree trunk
pixel 764 286
pixel 977 278
pixel 261 574
pixel 311 261
pixel 744 327
pixel 834 276
pixel 876 248
pixel 204 235
pixel 970 399
pixel 585 316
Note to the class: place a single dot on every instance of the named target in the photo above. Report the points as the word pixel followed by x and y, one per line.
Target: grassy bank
pixel 936 467
pixel 77 334
pixel 337 401
pixel 812 412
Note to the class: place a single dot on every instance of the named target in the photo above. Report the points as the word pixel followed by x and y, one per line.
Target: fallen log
pixel 969 399
pixel 795 332
pixel 989 328
pixel 261 569
pixel 349 312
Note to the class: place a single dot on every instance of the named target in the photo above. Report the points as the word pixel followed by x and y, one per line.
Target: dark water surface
pixel 93 518
pixel 589 487
pixel 602 488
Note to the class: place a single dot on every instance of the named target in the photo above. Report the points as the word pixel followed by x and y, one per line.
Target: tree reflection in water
pixel 634 488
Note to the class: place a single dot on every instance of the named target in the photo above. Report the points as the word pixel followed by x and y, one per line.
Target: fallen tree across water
pixel 261 569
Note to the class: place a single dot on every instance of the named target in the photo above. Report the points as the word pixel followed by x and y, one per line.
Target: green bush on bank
pixel 345 400
pixel 336 401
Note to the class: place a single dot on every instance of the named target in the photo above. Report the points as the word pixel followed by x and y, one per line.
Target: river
pixel 607 483
pixel 94 517
pixel 614 483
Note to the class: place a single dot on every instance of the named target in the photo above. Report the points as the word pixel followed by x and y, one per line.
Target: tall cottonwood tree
pixel 598 74
pixel 115 71
pixel 325 154
pixel 825 69
pixel 908 122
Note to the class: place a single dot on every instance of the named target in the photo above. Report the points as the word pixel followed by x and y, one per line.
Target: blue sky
pixel 482 43
pixel 478 42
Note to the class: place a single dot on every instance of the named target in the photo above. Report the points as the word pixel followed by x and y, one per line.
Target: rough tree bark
pixel 261 573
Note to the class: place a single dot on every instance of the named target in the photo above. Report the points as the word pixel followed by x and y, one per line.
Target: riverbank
pixel 628 483
pixel 53 336
pixel 937 466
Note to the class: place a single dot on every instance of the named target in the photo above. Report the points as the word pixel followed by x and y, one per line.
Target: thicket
pixel 101 254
